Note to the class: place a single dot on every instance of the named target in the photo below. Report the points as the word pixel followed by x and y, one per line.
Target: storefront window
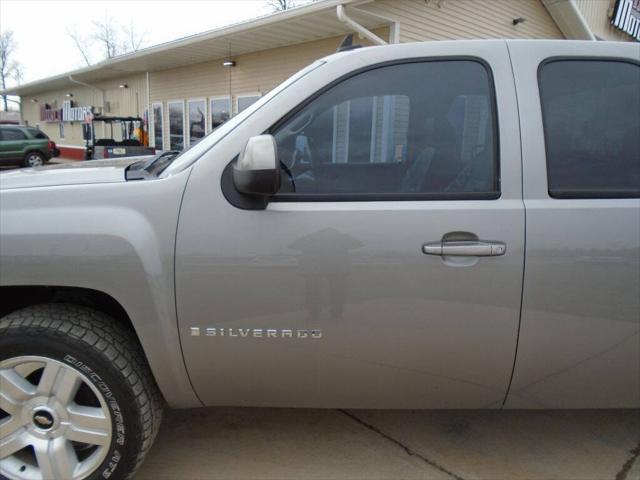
pixel 245 101
pixel 176 125
pixel 197 120
pixel 158 134
pixel 220 111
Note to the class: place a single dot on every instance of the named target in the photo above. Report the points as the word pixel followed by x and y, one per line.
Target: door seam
pixel 524 240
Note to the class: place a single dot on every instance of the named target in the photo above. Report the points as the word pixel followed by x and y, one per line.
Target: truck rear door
pixel 580 118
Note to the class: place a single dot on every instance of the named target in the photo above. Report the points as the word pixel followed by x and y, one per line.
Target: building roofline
pixel 565 13
pixel 235 28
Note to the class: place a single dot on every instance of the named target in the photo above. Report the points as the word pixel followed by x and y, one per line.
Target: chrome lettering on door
pixel 256 332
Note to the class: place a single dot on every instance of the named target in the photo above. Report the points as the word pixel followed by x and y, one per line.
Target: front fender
pixel 117 238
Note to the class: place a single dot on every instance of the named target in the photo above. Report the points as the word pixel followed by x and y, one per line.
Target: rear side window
pixel 35 133
pixel 420 130
pixel 591 115
pixel 9 134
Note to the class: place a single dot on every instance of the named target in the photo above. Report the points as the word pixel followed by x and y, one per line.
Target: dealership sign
pixel 68 113
pixel 626 17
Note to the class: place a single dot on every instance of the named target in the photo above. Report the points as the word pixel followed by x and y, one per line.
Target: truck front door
pixel 387 272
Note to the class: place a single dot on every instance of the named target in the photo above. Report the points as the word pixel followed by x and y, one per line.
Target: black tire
pixel 34 159
pixel 110 357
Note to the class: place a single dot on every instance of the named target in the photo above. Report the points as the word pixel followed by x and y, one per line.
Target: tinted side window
pixel 35 133
pixel 9 134
pixel 407 130
pixel 591 114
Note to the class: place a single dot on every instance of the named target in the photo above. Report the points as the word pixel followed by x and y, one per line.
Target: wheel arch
pixel 16 297
pixel 34 150
pixel 13 298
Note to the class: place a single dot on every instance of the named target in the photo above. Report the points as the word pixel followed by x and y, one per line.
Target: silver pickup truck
pixel 434 225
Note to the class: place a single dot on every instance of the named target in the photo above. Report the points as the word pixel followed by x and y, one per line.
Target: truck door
pixel 387 272
pixel 580 336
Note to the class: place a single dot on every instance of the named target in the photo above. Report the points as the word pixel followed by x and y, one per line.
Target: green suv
pixel 27 146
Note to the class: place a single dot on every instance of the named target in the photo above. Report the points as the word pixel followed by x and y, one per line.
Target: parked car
pixel 26 146
pixel 435 225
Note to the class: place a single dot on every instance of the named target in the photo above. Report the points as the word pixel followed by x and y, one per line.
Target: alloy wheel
pixel 34 160
pixel 54 423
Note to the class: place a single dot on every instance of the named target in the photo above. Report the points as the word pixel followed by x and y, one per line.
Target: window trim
pixel 184 122
pixel 582 194
pixel 188 115
pixel 210 107
pixel 372 197
pixel 153 124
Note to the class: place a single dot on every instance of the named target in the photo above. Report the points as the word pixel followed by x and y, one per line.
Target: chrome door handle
pixel 465 248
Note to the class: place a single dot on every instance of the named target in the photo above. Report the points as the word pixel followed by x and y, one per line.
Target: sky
pixel 44 47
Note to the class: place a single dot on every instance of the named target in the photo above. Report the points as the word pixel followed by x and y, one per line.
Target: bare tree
pixel 280 5
pixel 134 39
pixel 111 38
pixel 107 35
pixel 9 69
pixel 83 45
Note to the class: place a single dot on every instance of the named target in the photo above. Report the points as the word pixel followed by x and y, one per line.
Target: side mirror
pixel 257 170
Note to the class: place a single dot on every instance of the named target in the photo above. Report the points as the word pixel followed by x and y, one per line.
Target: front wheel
pixel 77 400
pixel 33 159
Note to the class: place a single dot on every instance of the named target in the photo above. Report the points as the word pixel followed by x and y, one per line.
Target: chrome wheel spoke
pixel 9 426
pixel 56 458
pixel 88 425
pixel 27 368
pixel 14 387
pixel 9 405
pixel 48 378
pixel 67 386
pixel 59 381
pixel 45 462
pixel 90 437
pixel 64 456
pixel 13 442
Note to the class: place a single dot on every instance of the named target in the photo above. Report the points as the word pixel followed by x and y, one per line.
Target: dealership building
pixel 185 88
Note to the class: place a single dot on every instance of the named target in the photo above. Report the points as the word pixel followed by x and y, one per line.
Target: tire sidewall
pixel 104 375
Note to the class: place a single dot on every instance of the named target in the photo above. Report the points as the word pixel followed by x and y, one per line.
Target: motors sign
pixel 626 17
pixel 68 113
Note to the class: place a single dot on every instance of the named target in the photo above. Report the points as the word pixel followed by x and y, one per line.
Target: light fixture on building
pixel 123 85
pixel 229 63
pixel 34 100
pixel 518 20
pixel 69 95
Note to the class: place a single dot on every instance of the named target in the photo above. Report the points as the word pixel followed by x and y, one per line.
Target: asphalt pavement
pixel 297 444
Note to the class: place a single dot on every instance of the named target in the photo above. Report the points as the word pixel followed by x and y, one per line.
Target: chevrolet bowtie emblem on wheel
pixel 256 332
pixel 43 420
